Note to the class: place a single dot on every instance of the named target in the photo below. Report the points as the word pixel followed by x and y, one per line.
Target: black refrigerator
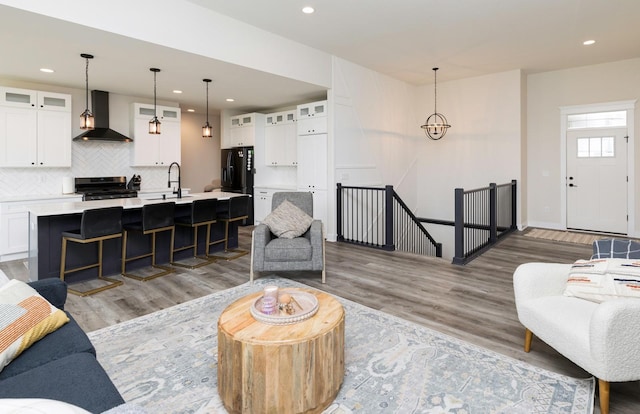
pixel 237 173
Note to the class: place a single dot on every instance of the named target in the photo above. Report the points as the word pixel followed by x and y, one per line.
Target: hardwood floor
pixel 473 302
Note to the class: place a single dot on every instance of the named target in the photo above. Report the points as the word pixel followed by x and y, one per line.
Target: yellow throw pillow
pixel 25 318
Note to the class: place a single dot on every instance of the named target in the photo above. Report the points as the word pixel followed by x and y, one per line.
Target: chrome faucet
pixel 178 192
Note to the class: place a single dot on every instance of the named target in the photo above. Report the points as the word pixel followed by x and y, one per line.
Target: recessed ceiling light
pixel 230 100
pixel 191 110
pixel 588 42
pixel 307 10
pixel 177 91
pixel 46 70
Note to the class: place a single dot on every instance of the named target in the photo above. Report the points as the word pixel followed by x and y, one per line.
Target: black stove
pixel 103 188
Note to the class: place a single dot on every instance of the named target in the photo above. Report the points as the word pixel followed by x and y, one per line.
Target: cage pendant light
pixel 436 125
pixel 154 124
pixel 86 118
pixel 207 131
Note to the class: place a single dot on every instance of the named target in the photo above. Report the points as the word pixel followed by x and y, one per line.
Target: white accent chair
pixel 601 338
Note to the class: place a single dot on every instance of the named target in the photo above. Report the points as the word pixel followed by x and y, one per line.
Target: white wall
pixel 370 143
pixel 483 145
pixel 547 92
pixel 372 140
pixel 200 156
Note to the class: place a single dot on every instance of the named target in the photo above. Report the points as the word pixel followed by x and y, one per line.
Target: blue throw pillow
pixel 614 248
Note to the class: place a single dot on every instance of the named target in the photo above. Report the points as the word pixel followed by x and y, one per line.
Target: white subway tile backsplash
pixel 90 159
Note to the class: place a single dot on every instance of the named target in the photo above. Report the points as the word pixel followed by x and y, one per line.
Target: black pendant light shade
pixel 86 118
pixel 154 124
pixel 207 131
pixel 436 125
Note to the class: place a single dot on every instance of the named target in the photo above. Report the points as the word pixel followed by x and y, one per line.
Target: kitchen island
pixel 48 221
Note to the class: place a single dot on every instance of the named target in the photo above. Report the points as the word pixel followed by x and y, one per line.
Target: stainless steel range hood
pixel 101 132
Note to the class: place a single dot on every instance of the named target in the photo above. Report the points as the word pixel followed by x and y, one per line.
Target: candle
pixel 271 292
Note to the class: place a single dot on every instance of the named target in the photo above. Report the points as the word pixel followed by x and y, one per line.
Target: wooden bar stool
pixel 238 209
pixel 156 218
pixel 203 213
pixel 97 225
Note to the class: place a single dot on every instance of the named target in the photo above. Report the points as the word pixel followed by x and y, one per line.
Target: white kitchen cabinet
pixel 261 203
pixel 30 99
pixel 243 130
pixel 319 205
pixel 312 162
pixel 312 118
pixel 280 139
pixel 155 150
pixel 312 126
pixel 312 110
pixel 14 225
pixel 35 128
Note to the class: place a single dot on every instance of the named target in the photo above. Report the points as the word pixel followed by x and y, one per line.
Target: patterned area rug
pixel 166 363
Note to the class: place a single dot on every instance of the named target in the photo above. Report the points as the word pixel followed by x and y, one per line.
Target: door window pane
pixel 597 120
pixel 596 147
pixel 608 147
pixel 583 147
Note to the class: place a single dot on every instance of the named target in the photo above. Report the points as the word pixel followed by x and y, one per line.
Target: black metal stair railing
pixel 377 217
pixel 482 216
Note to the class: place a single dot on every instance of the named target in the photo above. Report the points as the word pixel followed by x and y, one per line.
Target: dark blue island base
pixel 45 262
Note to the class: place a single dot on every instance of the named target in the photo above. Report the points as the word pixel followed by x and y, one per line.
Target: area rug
pixel 166 363
pixel 565 236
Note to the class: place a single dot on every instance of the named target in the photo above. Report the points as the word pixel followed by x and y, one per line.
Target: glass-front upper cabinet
pixel 22 98
pixel 54 101
pixel 242 120
pixel 25 98
pixel 313 109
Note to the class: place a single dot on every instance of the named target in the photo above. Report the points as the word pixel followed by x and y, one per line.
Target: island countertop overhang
pixel 74 207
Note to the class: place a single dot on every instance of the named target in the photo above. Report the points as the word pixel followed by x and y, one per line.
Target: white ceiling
pixel 405 39
pixel 401 38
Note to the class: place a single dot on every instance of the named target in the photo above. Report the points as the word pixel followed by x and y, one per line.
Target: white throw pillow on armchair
pixel 288 221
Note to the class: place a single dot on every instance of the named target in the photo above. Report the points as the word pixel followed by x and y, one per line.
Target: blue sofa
pixel 61 366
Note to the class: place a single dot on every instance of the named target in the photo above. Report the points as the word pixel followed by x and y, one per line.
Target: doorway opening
pixel 597 174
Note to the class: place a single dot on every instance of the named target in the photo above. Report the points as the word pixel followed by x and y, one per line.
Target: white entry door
pixel 597 180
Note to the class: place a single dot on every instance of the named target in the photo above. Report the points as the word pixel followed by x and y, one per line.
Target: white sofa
pixel 602 338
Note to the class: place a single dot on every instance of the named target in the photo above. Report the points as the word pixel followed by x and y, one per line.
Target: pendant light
pixel 154 124
pixel 207 131
pixel 86 118
pixel 436 125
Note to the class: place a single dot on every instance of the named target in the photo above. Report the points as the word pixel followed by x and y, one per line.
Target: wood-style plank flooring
pixel 473 302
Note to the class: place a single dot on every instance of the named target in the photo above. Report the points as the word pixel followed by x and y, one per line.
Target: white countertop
pixel 285 187
pixel 38 197
pixel 74 207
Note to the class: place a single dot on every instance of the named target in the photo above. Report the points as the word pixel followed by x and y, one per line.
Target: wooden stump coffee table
pixel 295 368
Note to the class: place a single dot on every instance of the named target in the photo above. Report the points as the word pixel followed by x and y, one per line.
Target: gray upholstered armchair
pixel 270 253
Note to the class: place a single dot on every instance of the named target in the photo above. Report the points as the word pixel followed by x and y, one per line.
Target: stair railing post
pixel 388 218
pixel 514 201
pixel 459 226
pixel 493 213
pixel 339 211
